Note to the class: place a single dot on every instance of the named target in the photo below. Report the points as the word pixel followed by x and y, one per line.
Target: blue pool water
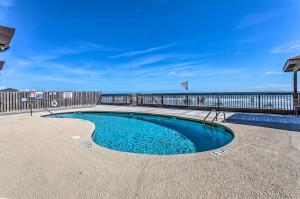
pixel 148 134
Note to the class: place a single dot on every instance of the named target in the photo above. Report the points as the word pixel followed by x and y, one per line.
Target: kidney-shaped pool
pixel 151 134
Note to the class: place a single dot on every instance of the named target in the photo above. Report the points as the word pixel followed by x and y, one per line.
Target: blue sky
pixel 150 45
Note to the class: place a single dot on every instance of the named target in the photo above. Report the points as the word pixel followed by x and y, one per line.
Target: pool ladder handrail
pixel 213 110
pixel 216 116
pixel 51 113
pixel 224 115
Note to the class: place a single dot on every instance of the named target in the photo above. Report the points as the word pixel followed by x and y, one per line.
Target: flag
pixel 1 65
pixel 185 85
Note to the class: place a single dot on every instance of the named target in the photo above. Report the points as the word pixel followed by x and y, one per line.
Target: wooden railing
pixel 22 101
pixel 267 102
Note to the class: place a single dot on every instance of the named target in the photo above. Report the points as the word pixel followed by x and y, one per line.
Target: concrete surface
pixel 45 158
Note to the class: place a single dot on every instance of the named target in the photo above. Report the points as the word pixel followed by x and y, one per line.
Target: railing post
pixel 99 99
pixel 30 107
pixel 259 101
pixel 162 100
pixel 295 96
pixel 187 100
pixel 152 99
pixel 131 99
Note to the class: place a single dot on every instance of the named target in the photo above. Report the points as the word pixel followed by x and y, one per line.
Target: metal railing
pixel 51 113
pixel 267 102
pixel 211 111
pixel 215 118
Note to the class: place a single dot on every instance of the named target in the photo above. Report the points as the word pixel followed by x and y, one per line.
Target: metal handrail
pixel 224 116
pixel 51 113
pixel 213 110
pixel 216 116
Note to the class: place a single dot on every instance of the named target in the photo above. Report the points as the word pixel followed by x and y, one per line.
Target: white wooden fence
pixel 22 101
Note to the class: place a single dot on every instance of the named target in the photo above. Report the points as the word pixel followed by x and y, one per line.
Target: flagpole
pixel 186 87
pixel 187 94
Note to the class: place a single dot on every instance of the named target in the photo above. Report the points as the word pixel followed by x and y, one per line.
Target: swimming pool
pixel 151 134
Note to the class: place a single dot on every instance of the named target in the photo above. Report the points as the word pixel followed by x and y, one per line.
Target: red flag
pixel 185 85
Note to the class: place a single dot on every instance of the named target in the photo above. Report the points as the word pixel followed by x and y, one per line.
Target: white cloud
pixel 147 61
pixel 274 73
pixel 7 3
pixel 43 67
pixel 183 69
pixel 46 60
pixel 258 18
pixel 47 69
pixel 172 73
pixel 164 69
pixel 287 48
pixel 48 72
pixel 59 79
pixel 140 52
pixel 81 47
pixel 4 7
pixel 50 67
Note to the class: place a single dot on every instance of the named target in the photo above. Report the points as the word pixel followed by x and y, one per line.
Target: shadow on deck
pixel 290 123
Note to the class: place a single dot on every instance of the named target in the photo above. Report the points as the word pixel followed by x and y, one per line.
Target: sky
pixel 120 46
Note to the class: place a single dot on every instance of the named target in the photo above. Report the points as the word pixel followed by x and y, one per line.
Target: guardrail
pixel 264 102
pixel 22 101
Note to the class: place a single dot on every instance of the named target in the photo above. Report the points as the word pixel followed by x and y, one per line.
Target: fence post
pixel 259 101
pixel 99 98
pixel 187 100
pixel 137 99
pixel 162 100
pixel 152 102
pixel 30 107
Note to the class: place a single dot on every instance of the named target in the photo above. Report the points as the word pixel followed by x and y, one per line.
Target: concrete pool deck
pixel 56 158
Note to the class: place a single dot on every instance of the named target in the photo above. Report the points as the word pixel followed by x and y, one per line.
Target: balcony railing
pixel 268 102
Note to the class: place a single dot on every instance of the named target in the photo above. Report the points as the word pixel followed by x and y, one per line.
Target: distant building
pixel 9 90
